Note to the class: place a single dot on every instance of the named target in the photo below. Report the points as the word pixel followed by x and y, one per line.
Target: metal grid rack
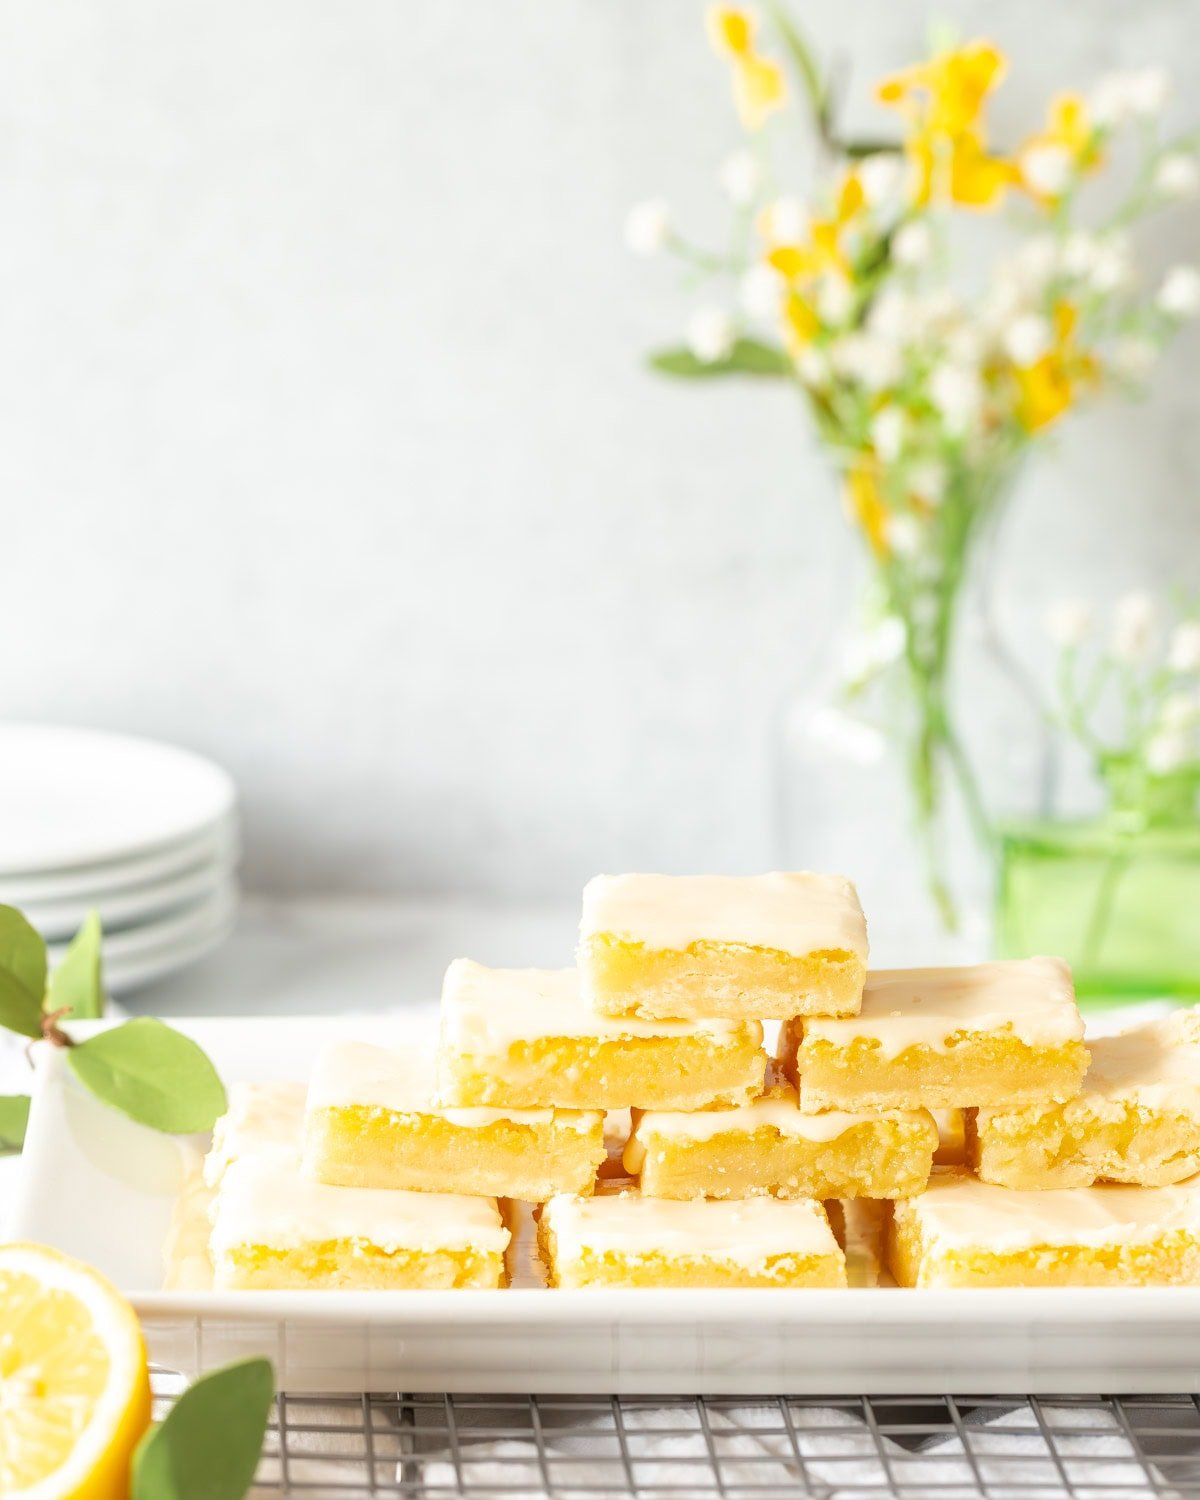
pixel 770 1448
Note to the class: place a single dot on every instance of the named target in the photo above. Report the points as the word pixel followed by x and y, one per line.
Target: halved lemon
pixel 74 1390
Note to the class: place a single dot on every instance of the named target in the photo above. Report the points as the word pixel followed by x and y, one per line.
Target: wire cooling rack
pixel 562 1447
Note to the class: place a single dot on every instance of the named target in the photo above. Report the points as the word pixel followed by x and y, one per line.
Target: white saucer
pixel 131 906
pixel 87 884
pixel 72 797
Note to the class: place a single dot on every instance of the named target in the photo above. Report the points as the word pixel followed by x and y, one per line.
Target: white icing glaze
pixel 740 1230
pixel 265 1199
pixel 485 1010
pixel 795 913
pixel 259 1114
pixel 1156 1064
pixel 778 1110
pixel 350 1074
pixel 1032 999
pixel 958 1212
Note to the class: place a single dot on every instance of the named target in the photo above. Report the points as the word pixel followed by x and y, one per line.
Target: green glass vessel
pixel 1118 897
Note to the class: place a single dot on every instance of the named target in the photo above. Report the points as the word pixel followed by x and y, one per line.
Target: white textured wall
pixel 324 445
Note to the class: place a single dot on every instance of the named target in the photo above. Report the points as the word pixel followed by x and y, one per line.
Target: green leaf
pixel 14 1117
pixel 77 985
pixel 747 357
pixel 155 1075
pixel 804 63
pixel 857 149
pixel 22 974
pixel 208 1446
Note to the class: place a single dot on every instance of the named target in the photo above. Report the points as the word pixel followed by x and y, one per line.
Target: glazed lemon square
pixel 961 1232
pixel 275 1228
pixel 700 946
pixel 258 1115
pixel 769 1147
pixel 624 1239
pixel 373 1121
pixel 1004 1033
pixel 524 1039
pixel 1137 1119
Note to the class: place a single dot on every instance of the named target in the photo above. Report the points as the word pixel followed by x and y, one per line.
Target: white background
pixel 325 448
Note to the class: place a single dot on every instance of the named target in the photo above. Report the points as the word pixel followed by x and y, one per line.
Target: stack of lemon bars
pixel 941 1127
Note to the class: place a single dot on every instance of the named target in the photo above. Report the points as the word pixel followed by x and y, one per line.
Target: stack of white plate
pixel 143 833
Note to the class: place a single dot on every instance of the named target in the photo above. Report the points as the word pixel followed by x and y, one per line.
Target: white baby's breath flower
pixel 1027 339
pixel 835 299
pixel 1069 622
pixel 1183 649
pixel 1135 624
pixel 957 392
pixel 1034 263
pixel 927 481
pixel 812 366
pixel 710 334
pixel 882 177
pixel 1177 175
pixel 1121 97
pixel 891 315
pixel 905 535
pixel 741 176
pixel 1179 711
pixel 842 734
pixel 1133 357
pixel 1179 295
pixel 1168 751
pixel 874 362
pixel 1112 266
pixel 1079 252
pixel 966 344
pixel 760 291
pixel 912 244
pixel 648 227
pixel 887 433
pixel 784 221
pixel 1047 169
pixel 1148 91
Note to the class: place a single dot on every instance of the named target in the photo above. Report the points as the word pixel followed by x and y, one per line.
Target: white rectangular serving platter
pixel 98 1186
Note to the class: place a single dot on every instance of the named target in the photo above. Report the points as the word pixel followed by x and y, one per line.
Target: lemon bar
pixel 1137 1119
pixel 372 1121
pixel 275 1228
pixel 259 1114
pixel 628 1240
pixel 524 1039
pixel 769 1147
pixel 1006 1033
pixel 695 947
pixel 963 1232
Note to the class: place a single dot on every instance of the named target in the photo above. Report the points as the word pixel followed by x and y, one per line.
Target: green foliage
pixel 22 974
pixel 152 1073
pixel 14 1116
pixel 747 357
pixel 208 1446
pixel 77 985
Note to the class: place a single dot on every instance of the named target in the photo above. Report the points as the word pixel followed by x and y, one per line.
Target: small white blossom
pixel 1148 91
pixel 1027 339
pixel 648 227
pixel 1183 649
pixel 1069 622
pixel 1079 253
pixel 842 734
pixel 1179 295
pixel 710 334
pixel 784 221
pixel 892 315
pixel 874 649
pixel 1121 97
pixel 1135 624
pixel 1177 175
pixel 1047 169
pixel 887 433
pixel 1179 711
pixel 912 244
pixel 927 481
pixel 957 392
pixel 905 535
pixel 1168 751
pixel 966 344
pixel 874 362
pixel 882 177
pixel 1032 266
pixel 812 366
pixel 1112 266
pixel 1133 357
pixel 741 176
pixel 760 291
pixel 835 299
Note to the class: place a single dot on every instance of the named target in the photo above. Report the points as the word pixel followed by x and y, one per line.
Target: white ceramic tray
pixel 100 1187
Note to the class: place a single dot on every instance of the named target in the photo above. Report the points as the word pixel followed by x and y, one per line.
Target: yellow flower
pixel 1070 144
pixel 758 81
pixel 800 323
pixel 1047 387
pixel 944 99
pixel 865 503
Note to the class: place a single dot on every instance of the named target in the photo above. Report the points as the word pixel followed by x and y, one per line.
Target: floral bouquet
pixel 927 379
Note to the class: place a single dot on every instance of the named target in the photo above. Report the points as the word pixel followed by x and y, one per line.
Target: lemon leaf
pixel 152 1073
pixel 77 985
pixel 14 1116
pixel 747 357
pixel 22 974
pixel 208 1446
